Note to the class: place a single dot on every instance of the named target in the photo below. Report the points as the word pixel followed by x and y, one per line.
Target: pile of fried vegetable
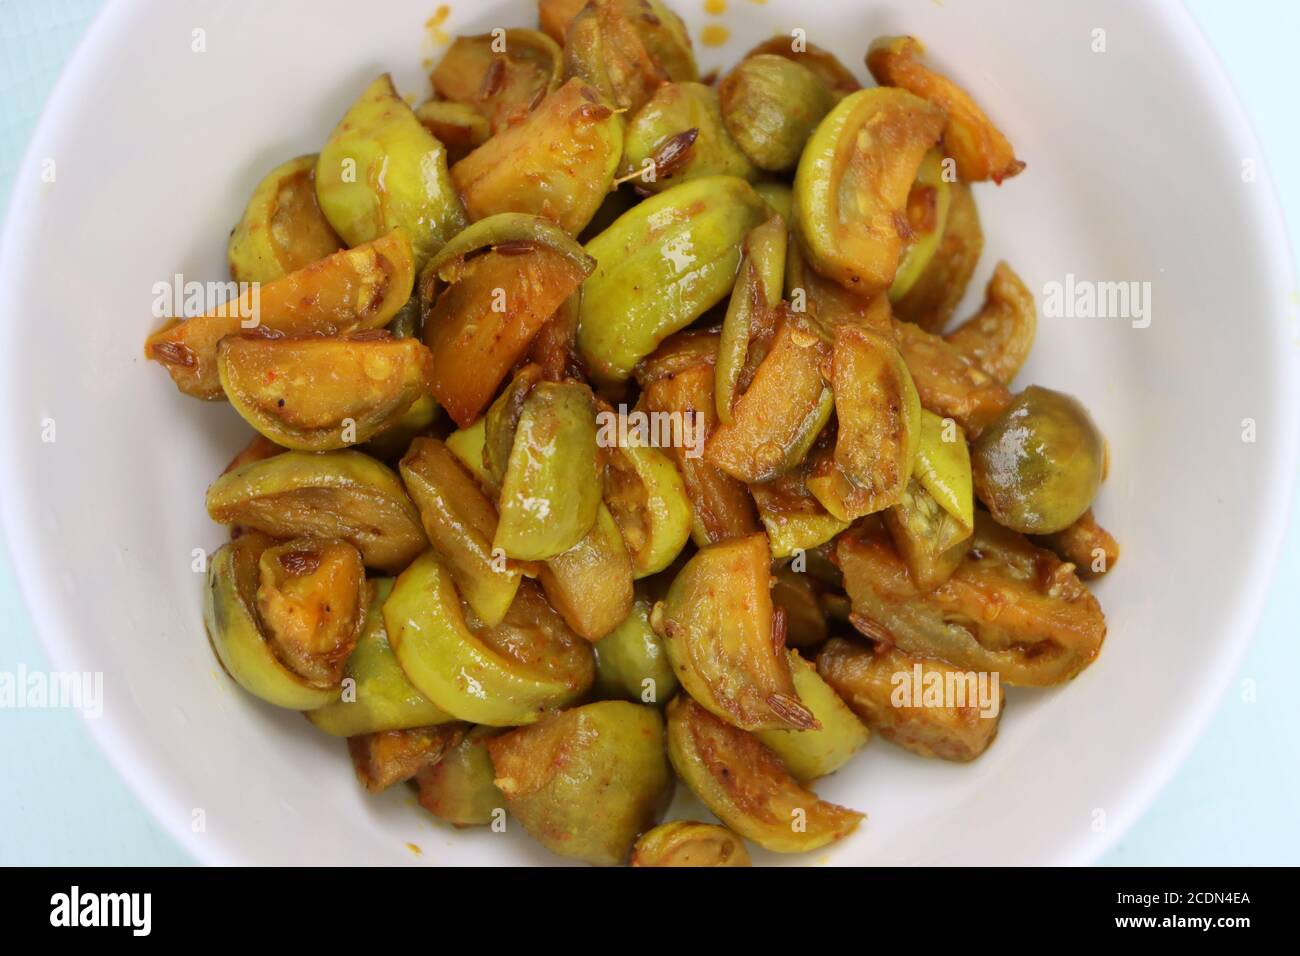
pixel 435 554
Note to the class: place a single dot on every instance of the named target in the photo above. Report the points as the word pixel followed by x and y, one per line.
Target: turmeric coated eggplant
pixel 251 649
pixel 507 275
pixel 970 138
pixel 380 697
pixel 381 169
pixel 679 134
pixel 687 843
pixel 349 291
pixel 904 699
pixel 1008 607
pixel 321 394
pixel 725 641
pixel 854 177
pixel 660 267
pixel 461 523
pixel 459 788
pixel 747 787
pixel 500 676
pixel 632 662
pixel 557 162
pixel 282 228
pixel 586 782
pixel 809 754
pixel 337 494
pixel 550 495
pixel 503 75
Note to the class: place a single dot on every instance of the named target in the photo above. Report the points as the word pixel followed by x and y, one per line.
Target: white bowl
pixel 1136 159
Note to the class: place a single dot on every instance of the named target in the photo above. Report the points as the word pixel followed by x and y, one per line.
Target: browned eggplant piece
pixel 1009 606
pixel 726 642
pixel 926 706
pixel 999 336
pixel 722 505
pixel 747 787
pixel 394 756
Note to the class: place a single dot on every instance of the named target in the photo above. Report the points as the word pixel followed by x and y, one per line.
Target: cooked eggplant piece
pixel 1039 467
pixel 970 138
pixel 500 676
pixel 395 756
pixel 932 523
pixel 722 506
pixel 554 15
pixel 503 74
pixel 380 697
pixel 771 105
pixel 552 488
pixel 337 494
pixel 239 637
pixel 501 422
pixel 591 583
pixel 809 754
pixel 660 267
pixel 938 290
pixel 791 514
pixel 779 416
pixel 311 598
pixel 647 497
pixel 879 415
pixel 349 291
pixel 1008 607
pixel 746 785
pixel 726 644
pixel 632 663
pixel 796 595
pixel 467 445
pixel 627 48
pixel 586 782
pixel 948 383
pixel 828 305
pixel 318 394
pixel 481 324
pixel 870 681
pixel 851 188
pixel 461 523
pixel 282 229
pixel 381 170
pixel 459 788
pixel 999 336
pixel 459 127
pixel 928 203
pixel 1085 544
pixel 837 77
pixel 679 135
pixel 558 162
pixel 752 313
pixel 688 843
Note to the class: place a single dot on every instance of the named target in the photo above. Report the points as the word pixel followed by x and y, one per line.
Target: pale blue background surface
pixel 1235 800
